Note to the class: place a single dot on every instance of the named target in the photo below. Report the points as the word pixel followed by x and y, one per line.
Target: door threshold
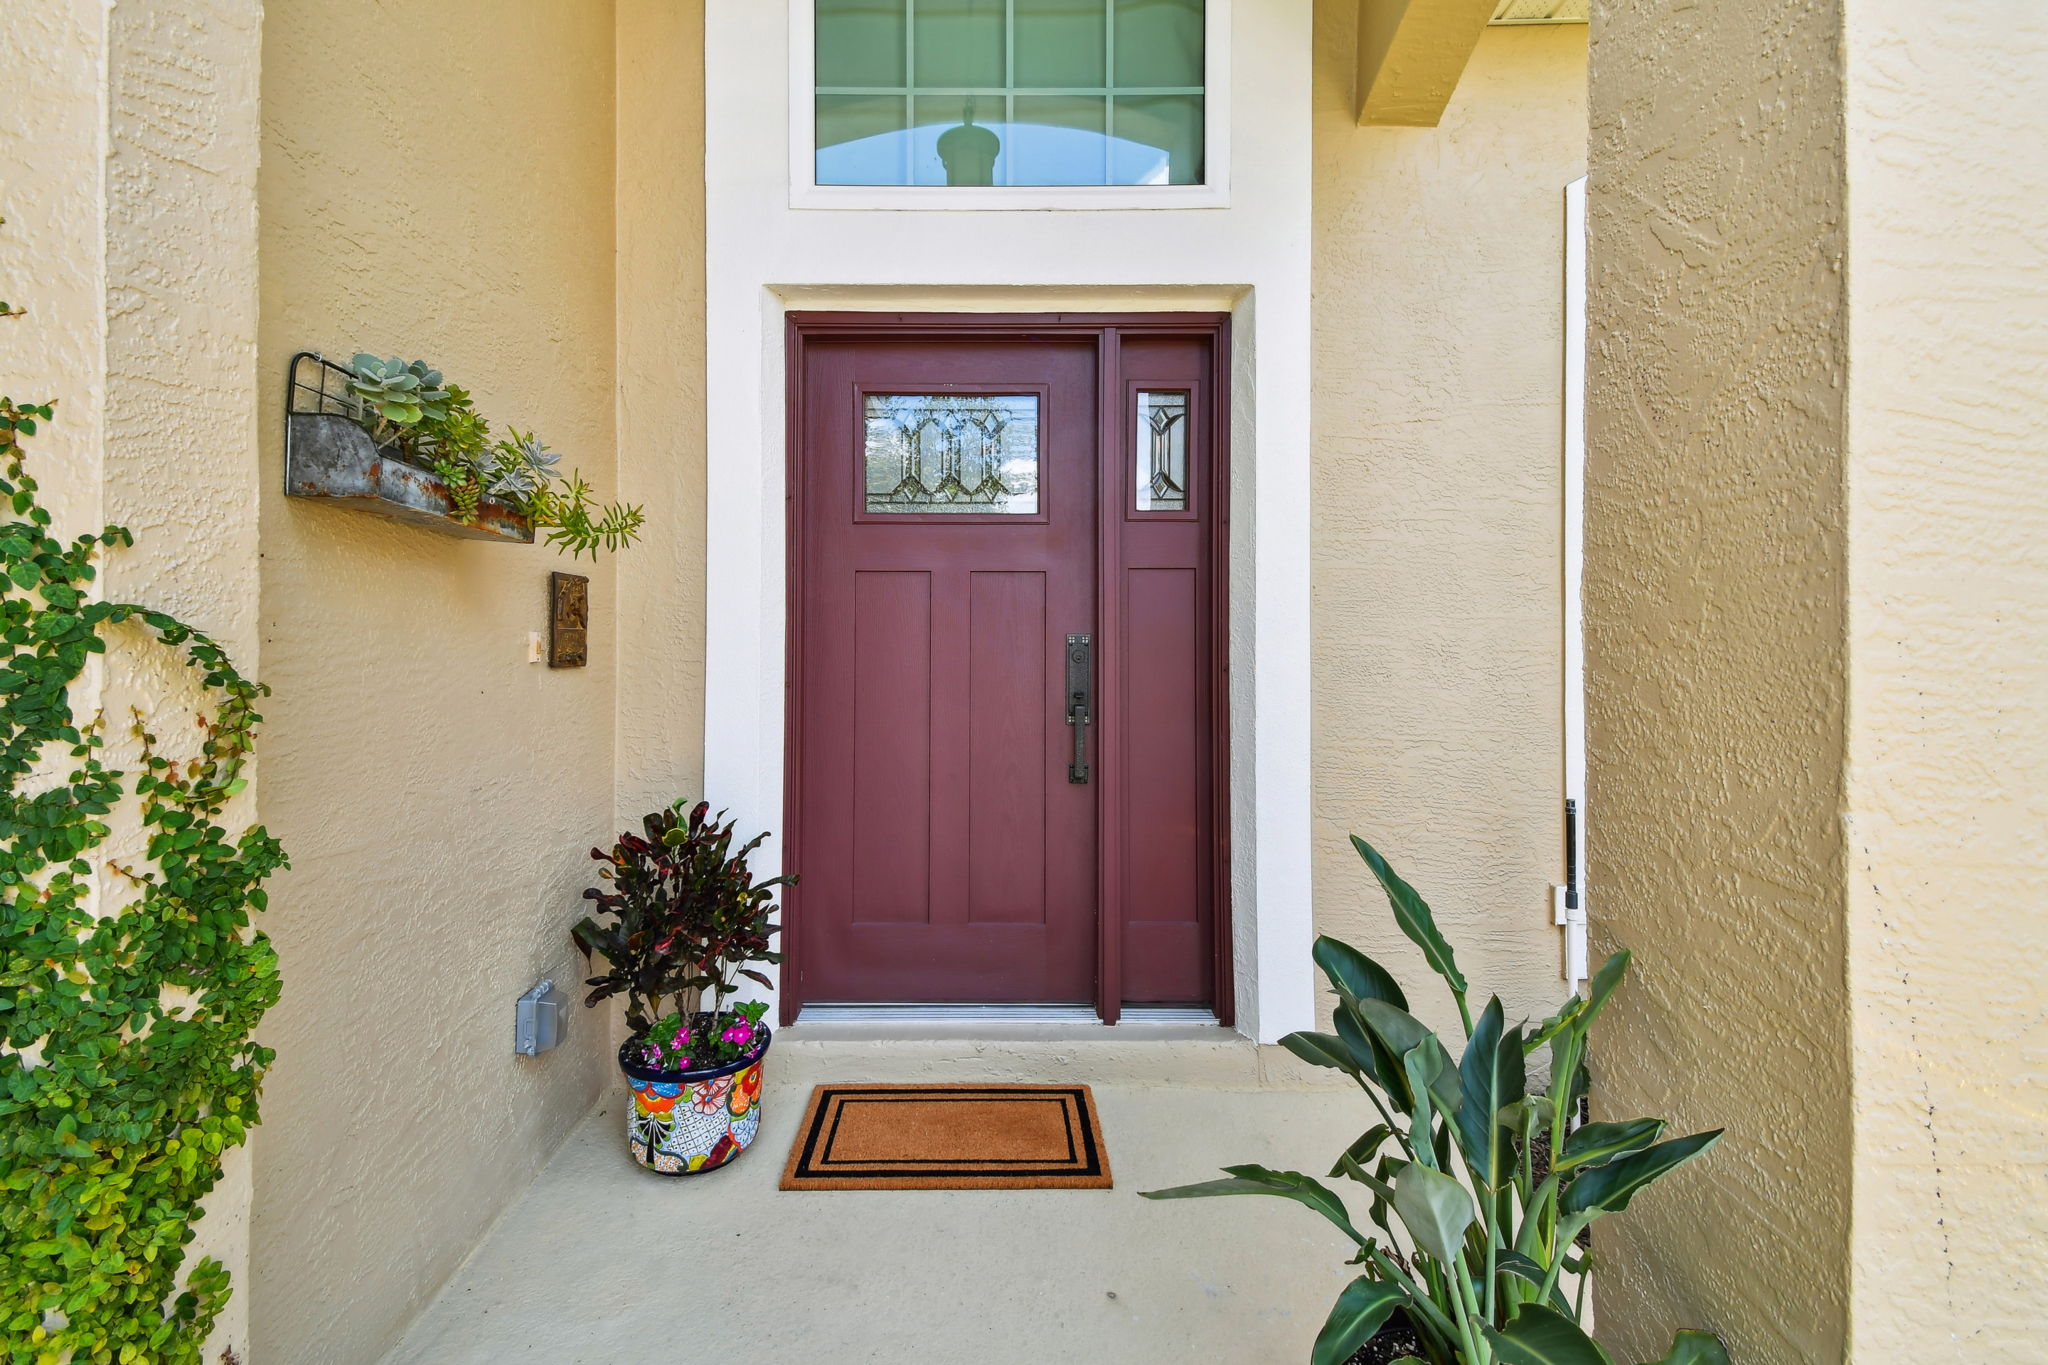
pixel 1000 1014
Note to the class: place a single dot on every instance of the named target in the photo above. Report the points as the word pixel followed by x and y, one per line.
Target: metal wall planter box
pixel 328 455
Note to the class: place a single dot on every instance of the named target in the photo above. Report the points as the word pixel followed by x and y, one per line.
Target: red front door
pixel 948 639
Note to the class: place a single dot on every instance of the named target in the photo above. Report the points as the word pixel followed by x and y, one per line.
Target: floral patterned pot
pixel 688 1122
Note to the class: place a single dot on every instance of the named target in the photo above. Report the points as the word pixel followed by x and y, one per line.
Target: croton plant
pixel 677 927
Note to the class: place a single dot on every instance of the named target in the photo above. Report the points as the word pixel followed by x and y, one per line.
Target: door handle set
pixel 1080 699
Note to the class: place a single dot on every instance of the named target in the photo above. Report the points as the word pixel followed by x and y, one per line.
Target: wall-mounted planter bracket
pixel 329 455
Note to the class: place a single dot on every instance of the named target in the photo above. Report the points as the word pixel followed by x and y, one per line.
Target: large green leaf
pixel 1424 1070
pixel 1607 1189
pixel 1401 1033
pixel 1605 982
pixel 1543 1336
pixel 1570 1010
pixel 1491 1077
pixel 1695 1348
pixel 1577 1012
pixel 1412 913
pixel 1511 1262
pixel 1596 1144
pixel 1363 1150
pixel 1293 1185
pixel 1382 1192
pixel 1360 1310
pixel 1369 1055
pixel 1320 1049
pixel 1435 1209
pixel 1356 975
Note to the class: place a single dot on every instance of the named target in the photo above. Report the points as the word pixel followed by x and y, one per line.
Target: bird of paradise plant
pixel 1475 1262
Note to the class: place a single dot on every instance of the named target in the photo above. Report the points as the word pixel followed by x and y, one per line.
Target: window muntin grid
pixel 943 92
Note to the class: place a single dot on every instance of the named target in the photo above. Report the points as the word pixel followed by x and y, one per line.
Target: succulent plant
pixel 403 404
pixel 400 393
pixel 524 467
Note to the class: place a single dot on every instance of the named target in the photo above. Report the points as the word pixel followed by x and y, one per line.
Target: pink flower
pixel 741 1033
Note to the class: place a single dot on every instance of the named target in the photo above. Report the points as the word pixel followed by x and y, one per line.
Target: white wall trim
pixel 806 193
pixel 1575 555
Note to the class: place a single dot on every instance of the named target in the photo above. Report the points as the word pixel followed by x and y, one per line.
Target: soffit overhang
pixel 1412 52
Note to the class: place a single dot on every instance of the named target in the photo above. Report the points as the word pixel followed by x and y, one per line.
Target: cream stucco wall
pixel 128 150
pixel 660 639
pixel 1716 662
pixel 437 181
pixel 1439 310
pixel 1818 612
pixel 1947 577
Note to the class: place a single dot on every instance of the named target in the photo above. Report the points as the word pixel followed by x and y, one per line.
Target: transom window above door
pixel 1010 92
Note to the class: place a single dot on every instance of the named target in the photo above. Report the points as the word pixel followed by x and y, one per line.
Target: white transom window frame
pixel 806 193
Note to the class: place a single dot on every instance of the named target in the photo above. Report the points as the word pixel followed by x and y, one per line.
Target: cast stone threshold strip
pixel 1178 1016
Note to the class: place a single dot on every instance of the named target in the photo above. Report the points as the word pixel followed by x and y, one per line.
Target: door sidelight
pixel 1080 697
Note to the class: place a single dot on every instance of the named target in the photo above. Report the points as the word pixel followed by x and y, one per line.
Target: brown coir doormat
pixel 948 1137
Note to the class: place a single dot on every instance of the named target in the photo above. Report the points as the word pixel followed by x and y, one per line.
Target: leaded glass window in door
pixel 1161 442
pixel 1010 92
pixel 951 453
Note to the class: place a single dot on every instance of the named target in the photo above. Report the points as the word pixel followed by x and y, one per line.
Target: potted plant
pixel 1470 1262
pixel 393 437
pixel 681 920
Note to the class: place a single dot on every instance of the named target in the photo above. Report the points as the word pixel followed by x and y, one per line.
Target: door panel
pixel 950 495
pixel 891 762
pixel 1007 748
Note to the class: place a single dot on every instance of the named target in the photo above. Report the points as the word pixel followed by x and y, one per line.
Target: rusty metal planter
pixel 330 456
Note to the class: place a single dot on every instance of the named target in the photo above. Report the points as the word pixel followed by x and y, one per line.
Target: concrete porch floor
pixel 599 1262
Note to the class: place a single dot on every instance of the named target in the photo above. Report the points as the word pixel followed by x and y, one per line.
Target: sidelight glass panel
pixel 1162 449
pixel 952 453
pixel 1010 92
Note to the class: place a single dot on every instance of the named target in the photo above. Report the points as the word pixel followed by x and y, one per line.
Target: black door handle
pixel 1080 698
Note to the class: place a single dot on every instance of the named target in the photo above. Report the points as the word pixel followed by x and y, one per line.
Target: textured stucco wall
pixel 660 642
pixel 128 149
pixel 1439 305
pixel 53 152
pixel 437 181
pixel 1715 661
pixel 1948 634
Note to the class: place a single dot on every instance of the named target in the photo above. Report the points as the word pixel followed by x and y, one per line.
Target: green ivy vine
pixel 128 995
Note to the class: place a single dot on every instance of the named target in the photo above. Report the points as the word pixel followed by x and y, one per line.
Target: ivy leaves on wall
pixel 128 994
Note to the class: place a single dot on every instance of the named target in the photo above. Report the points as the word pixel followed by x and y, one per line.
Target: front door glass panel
pixel 959 453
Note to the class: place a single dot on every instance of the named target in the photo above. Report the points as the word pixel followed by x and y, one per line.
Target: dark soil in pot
pixel 1395 1339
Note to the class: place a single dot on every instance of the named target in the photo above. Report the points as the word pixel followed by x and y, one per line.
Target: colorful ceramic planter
pixel 687 1122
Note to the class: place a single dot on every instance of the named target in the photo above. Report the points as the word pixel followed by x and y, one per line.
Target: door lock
pixel 1080 697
